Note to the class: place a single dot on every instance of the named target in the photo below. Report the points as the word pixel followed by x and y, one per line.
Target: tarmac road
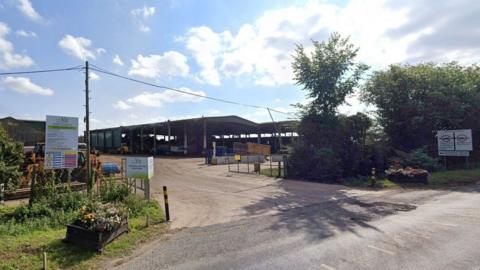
pixel 254 222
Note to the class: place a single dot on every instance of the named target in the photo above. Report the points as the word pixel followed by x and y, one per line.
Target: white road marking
pixel 418 235
pixel 327 267
pixel 382 250
pixel 444 224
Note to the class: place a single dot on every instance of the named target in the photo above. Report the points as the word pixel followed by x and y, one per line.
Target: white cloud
pixel 93 76
pixel 27 9
pixel 100 51
pixel 140 15
pixel 121 105
pixel 148 99
pixel 386 31
pixel 171 63
pixel 8 58
pixel 25 86
pixel 144 28
pixel 117 60
pixel 206 47
pixel 77 46
pixel 145 12
pixel 26 34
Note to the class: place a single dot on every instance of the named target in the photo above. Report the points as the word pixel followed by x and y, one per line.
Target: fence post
pixel 45 267
pixel 279 169
pixel 285 165
pixel 271 169
pixel 146 190
pixel 373 177
pixel 165 198
pixel 2 193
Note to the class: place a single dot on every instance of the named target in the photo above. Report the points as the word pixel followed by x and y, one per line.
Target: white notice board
pixel 454 142
pixel 61 142
pixel 463 139
pixel 139 167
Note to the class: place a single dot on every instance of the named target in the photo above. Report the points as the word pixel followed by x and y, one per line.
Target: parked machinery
pixel 34 163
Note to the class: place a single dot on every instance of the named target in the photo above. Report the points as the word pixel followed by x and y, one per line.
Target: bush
pixel 417 158
pixel 11 157
pixel 112 191
pixel 314 164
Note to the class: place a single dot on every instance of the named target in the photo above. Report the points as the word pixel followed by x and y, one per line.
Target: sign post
pixel 140 168
pixel 454 143
pixel 61 142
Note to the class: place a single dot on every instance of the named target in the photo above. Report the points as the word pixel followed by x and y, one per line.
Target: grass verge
pixel 436 180
pixel 24 250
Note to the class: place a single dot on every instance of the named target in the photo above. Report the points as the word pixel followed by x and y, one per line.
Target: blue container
pixel 110 168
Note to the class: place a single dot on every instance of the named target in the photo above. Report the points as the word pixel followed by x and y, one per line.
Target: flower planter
pixel 409 179
pixel 407 175
pixel 94 240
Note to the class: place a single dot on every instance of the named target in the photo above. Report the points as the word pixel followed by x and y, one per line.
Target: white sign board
pixel 463 140
pixel 139 167
pixel 454 153
pixel 454 142
pixel 446 140
pixel 61 142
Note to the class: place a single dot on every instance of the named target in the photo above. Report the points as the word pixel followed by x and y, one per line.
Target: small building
pixel 192 136
pixel 28 132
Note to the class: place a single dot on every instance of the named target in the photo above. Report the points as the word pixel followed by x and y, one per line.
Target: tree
pixel 330 145
pixel 413 102
pixel 328 75
pixel 11 157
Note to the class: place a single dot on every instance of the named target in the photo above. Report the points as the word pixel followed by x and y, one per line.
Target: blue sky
pixel 238 50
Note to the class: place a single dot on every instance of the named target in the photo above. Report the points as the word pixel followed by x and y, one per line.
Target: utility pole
pixel 87 132
pixel 276 130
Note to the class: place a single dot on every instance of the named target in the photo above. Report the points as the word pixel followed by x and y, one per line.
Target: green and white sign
pixel 139 167
pixel 61 142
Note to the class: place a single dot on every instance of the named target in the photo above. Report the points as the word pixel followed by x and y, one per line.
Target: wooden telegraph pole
pixel 87 132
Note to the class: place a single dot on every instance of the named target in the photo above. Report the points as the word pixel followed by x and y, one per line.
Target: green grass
pixel 24 251
pixel 436 180
pixel 454 178
pixel 272 173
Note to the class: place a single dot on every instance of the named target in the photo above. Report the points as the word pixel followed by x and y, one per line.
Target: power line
pixel 42 71
pixel 185 92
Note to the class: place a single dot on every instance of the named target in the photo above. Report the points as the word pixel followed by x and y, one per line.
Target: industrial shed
pixel 191 136
pixel 29 132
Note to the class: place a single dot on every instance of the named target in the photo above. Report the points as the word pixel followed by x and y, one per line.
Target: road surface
pixel 242 221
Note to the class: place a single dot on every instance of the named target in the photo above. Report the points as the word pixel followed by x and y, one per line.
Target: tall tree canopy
pixel 414 101
pixel 329 74
pixel 330 145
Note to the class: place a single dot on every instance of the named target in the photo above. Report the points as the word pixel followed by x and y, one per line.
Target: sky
pixel 235 50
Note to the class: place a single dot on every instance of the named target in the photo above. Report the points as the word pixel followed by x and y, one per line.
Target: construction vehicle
pixel 123 149
pixel 34 162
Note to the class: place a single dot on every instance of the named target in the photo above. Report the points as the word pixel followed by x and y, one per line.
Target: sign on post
pixel 454 142
pixel 61 142
pixel 463 140
pixel 139 167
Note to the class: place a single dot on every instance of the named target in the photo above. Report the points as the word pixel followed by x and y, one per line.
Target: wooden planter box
pixel 93 240
pixel 405 179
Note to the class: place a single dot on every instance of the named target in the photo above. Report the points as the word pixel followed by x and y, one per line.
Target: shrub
pixel 112 191
pixel 11 157
pixel 417 158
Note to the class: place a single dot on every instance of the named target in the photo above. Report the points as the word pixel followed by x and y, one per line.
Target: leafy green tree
pixel 328 75
pixel 330 145
pixel 413 102
pixel 11 158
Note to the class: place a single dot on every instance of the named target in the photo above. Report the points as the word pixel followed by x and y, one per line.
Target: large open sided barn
pixel 192 136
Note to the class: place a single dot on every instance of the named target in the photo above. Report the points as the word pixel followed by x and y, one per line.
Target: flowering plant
pixel 407 174
pixel 97 216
